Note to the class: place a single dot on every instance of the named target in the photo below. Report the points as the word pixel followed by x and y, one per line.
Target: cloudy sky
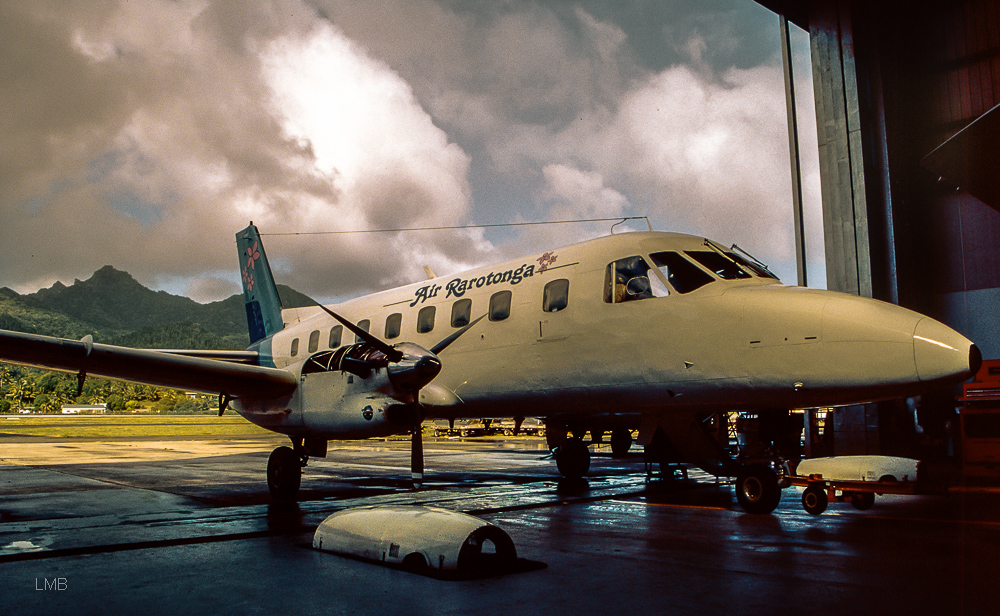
pixel 144 133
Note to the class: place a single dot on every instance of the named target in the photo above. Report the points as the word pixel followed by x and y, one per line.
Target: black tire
pixel 863 501
pixel 573 458
pixel 757 489
pixel 284 474
pixel 621 442
pixel 814 500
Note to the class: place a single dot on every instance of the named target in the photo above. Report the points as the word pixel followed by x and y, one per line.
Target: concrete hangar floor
pixel 185 525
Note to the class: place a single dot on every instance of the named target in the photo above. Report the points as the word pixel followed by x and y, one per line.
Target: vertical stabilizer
pixel 259 292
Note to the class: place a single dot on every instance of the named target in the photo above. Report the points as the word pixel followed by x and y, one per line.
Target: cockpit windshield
pixel 682 275
pixel 719 263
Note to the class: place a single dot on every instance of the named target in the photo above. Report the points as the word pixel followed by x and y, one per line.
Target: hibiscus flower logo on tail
pixel 252 255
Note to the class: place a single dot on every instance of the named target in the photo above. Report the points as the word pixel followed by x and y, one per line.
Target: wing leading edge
pixel 164 369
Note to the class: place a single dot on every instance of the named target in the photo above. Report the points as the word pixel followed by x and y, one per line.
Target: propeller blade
pixel 437 348
pixel 417 457
pixel 387 350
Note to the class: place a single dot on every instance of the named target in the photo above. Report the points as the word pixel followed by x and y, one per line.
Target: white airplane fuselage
pixel 746 343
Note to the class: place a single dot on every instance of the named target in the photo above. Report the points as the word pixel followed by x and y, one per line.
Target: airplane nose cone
pixel 942 353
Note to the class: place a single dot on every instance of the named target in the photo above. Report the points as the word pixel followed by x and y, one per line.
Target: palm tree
pixel 20 391
pixel 51 404
pixel 133 391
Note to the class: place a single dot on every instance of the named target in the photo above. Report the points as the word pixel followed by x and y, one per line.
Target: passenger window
pixel 365 325
pixel 555 296
pixel 682 275
pixel 314 341
pixel 425 319
pixel 335 335
pixel 723 266
pixel 393 325
pixel 461 313
pixel 295 348
pixel 628 280
pixel 500 306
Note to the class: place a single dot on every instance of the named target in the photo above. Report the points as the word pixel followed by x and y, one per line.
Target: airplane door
pixel 553 323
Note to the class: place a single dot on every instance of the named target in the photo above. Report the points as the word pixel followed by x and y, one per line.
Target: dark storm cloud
pixel 144 134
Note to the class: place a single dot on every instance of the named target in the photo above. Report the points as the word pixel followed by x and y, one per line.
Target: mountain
pixel 115 308
pixel 17 314
pixel 113 300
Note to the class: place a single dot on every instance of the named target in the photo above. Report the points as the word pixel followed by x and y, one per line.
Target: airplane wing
pixel 165 369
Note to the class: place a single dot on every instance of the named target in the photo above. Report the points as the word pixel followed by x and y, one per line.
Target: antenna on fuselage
pixel 627 218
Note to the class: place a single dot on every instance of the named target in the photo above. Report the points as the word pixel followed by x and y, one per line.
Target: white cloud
pixel 168 126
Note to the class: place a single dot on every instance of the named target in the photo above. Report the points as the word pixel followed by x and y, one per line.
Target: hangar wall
pixel 896 81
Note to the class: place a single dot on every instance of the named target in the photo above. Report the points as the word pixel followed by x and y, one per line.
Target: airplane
pixel 664 333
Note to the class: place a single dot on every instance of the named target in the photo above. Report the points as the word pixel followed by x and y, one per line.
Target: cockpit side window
pixel 628 280
pixel 723 266
pixel 682 275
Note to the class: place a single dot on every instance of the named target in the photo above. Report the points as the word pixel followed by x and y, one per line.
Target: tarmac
pixel 186 526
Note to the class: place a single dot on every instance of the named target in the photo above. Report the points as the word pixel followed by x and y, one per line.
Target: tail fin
pixel 259 292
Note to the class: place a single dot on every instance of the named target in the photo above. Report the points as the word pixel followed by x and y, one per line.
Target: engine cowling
pixel 354 393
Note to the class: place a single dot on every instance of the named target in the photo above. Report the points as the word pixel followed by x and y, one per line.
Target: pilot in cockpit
pixel 631 280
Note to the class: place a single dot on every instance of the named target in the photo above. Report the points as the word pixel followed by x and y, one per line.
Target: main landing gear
pixel 757 488
pixel 572 458
pixel 284 472
pixel 621 442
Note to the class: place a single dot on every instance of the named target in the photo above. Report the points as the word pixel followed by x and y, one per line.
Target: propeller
pixel 391 353
pixel 410 368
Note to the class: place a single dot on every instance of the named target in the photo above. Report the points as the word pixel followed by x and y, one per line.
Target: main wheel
pixel 757 489
pixel 284 474
pixel 573 458
pixel 814 500
pixel 621 442
pixel 863 501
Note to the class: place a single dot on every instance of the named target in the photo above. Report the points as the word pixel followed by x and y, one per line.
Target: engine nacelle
pixel 336 403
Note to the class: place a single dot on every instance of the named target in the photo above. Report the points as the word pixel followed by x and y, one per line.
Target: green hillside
pixel 116 309
pixel 18 315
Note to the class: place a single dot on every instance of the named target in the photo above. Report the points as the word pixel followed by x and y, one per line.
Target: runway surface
pixel 185 526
